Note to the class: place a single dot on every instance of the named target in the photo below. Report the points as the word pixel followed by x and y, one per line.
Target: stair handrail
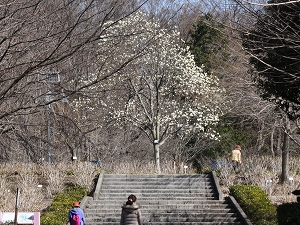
pixel 84 202
pixel 242 215
pixel 217 185
pixel 98 186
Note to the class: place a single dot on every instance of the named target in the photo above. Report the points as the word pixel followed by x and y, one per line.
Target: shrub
pixel 70 172
pixel 58 211
pixel 255 203
pixel 288 213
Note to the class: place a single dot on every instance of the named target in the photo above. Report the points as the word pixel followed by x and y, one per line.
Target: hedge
pixel 255 203
pixel 58 211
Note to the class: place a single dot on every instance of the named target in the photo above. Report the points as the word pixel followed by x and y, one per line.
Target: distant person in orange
pixel 76 215
pixel 236 156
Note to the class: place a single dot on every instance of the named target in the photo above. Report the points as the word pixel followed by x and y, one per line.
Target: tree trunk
pixel 279 145
pixel 156 155
pixel 157 143
pixel 285 153
pixel 272 141
pixel 260 139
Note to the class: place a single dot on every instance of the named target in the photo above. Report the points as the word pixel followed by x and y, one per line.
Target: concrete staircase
pixel 164 200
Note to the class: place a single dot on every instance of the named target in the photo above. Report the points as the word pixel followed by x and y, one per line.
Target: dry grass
pixel 39 182
pixel 255 170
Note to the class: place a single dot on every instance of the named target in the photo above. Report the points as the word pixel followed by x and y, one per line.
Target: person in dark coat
pixel 131 214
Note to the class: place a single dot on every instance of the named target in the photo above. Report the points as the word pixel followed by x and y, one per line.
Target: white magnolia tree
pixel 160 90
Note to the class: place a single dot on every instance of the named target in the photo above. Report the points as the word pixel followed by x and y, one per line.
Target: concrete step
pixel 157 176
pixel 188 191
pixel 131 177
pixel 167 195
pixel 157 181
pixel 160 177
pixel 174 218
pixel 154 179
pixel 158 206
pixel 164 210
pixel 152 191
pixel 153 201
pixel 161 201
pixel 112 205
pixel 201 201
pixel 141 185
pixel 171 223
pixel 153 198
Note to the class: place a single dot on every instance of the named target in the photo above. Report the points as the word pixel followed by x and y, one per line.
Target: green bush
pixel 255 203
pixel 288 213
pixel 57 213
pixel 69 172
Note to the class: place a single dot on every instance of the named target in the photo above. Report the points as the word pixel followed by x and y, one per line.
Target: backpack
pixel 75 220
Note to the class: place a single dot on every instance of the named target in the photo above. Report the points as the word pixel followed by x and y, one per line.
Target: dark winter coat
pixel 131 215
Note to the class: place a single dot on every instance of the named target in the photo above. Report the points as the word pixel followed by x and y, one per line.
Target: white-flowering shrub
pixel 154 78
pixel 151 82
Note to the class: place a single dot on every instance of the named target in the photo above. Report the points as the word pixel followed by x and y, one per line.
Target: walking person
pixel 236 158
pixel 76 215
pixel 131 214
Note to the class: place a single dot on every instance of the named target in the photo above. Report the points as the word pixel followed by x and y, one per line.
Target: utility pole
pixel 51 77
pixel 48 134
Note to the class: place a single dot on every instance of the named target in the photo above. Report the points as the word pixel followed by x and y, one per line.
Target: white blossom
pixel 160 84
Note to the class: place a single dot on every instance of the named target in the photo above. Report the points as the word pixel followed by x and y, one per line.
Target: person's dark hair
pixel 131 199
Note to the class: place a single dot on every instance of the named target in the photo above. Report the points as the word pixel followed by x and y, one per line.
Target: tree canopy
pixel 208 42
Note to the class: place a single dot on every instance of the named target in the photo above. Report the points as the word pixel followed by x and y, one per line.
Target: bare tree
pixel 41 41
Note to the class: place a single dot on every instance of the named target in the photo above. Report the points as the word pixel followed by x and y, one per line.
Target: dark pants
pixel 236 166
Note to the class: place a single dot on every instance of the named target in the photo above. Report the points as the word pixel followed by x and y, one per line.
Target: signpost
pixel 16 206
pixel 21 218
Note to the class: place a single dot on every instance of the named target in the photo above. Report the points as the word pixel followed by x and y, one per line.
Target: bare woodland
pixel 57 54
